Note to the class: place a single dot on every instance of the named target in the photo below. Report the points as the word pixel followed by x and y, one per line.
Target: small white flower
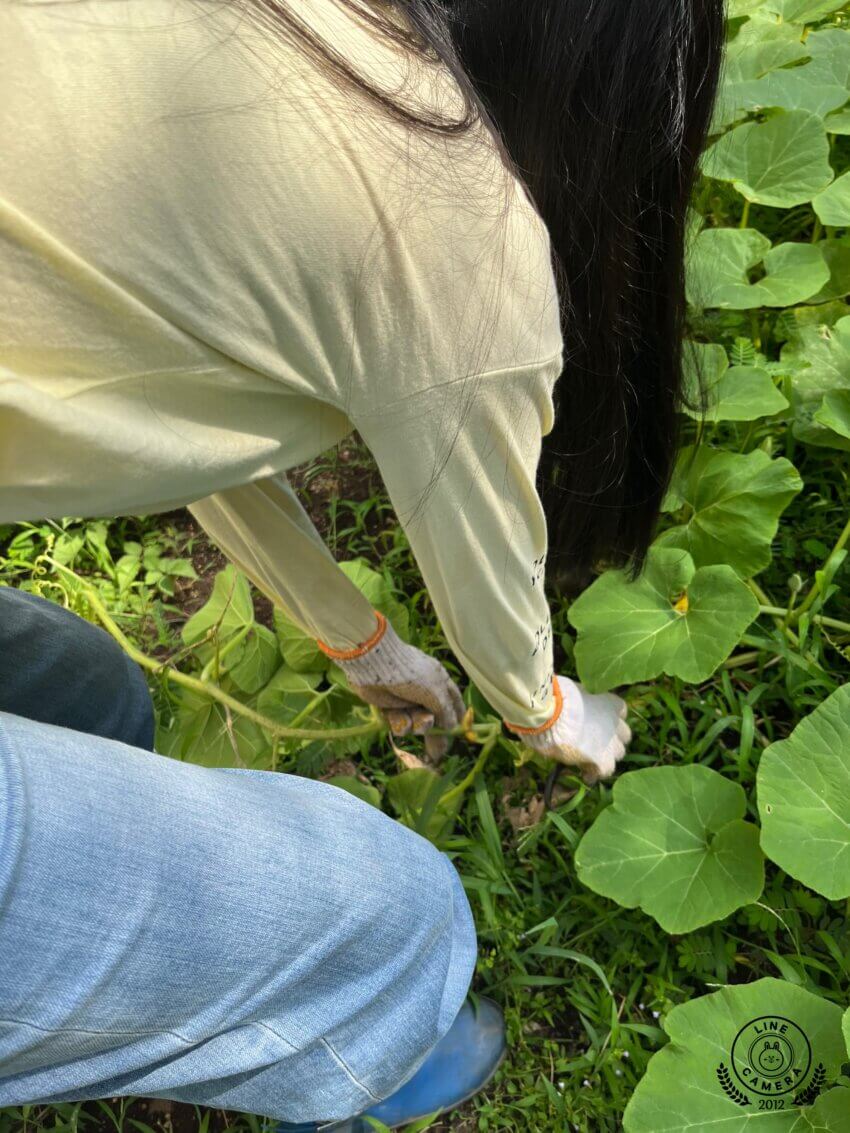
pixel 626 1055
pixel 641 1007
pixel 656 1014
pixel 586 1082
pixel 618 1073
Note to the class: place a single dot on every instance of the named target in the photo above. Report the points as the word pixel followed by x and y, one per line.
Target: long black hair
pixel 601 109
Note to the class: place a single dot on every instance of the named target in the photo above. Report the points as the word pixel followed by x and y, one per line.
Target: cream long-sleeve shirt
pixel 216 262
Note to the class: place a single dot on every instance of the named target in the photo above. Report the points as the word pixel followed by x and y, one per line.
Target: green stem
pixel 741 659
pixel 817 230
pixel 220 654
pixel 745 215
pixel 469 779
pixel 840 543
pixel 819 619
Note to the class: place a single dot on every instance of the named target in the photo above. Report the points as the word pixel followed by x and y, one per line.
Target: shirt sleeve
pixel 459 462
pixel 266 533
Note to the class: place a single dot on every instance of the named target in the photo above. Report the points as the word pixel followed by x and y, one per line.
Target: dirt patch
pixel 341 477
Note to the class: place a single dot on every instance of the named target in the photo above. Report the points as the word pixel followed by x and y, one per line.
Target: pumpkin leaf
pixel 833 204
pixel 257 660
pixel 734 501
pixel 721 259
pixel 228 609
pixel 674 619
pixel 834 414
pixel 782 161
pixel 720 1047
pixel 818 358
pixel 804 798
pixel 675 844
pixel 734 393
pixel 299 651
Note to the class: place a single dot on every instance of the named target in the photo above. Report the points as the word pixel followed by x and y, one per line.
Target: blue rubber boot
pixel 461 1064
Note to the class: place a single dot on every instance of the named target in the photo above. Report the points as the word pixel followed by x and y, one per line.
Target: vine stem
pixel 484 734
pixel 205 688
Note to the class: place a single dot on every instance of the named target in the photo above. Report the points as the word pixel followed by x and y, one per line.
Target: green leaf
pixel 804 798
pixel 257 660
pixel 358 788
pixel 298 649
pixel 809 87
pixel 229 608
pixel 818 358
pixel 833 204
pixel 762 45
pixel 721 258
pixel 735 502
pixel 834 414
pixel 201 732
pixel 674 619
pixel 804 11
pixel 717 1037
pixel 783 161
pixel 734 393
pixel 674 844
pixel 836 253
pixel 289 693
pixel 415 796
pixel 380 593
pixel 838 123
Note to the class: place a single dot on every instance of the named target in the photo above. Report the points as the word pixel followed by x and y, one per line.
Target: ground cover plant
pixel 625 928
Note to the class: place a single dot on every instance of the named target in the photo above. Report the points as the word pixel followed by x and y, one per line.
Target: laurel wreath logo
pixel 807 1096
pixel 730 1089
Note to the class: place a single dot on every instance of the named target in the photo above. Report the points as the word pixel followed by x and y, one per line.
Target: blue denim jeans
pixel 240 939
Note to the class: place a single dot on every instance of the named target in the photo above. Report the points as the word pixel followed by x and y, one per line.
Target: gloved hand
pixel 413 690
pixel 589 732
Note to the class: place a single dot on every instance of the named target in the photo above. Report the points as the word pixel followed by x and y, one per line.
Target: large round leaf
pixel 734 393
pixel 804 798
pixel 783 161
pixel 833 204
pixel 836 252
pixel 834 414
pixel 720 259
pixel 838 122
pixel 701 1080
pixel 804 11
pixel 674 619
pixel 810 87
pixel 818 358
pixel 762 45
pixel 674 843
pixel 735 502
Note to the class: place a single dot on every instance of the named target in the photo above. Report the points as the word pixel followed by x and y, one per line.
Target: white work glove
pixel 589 733
pixel 413 690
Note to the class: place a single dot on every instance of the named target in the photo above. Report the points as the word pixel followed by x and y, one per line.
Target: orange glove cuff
pixel 362 648
pixel 559 704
